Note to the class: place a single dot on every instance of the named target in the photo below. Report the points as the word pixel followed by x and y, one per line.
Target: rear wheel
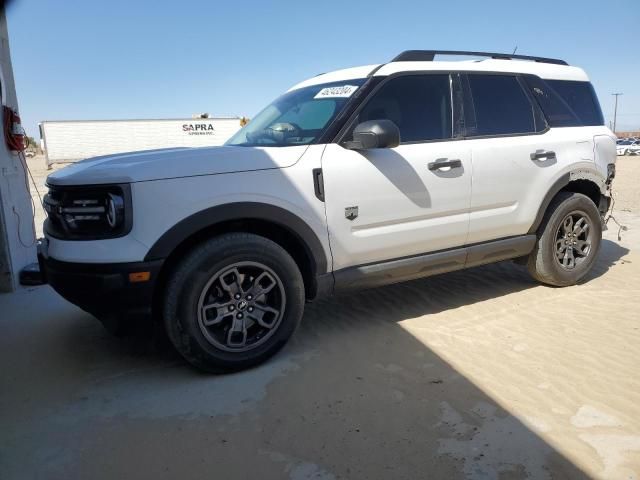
pixel 233 302
pixel 568 240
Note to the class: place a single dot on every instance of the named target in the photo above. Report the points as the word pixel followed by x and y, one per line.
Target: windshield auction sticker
pixel 342 91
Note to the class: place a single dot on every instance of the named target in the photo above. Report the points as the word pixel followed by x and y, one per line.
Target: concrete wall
pixel 17 237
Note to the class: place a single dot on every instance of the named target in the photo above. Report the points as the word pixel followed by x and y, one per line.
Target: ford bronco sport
pixel 355 178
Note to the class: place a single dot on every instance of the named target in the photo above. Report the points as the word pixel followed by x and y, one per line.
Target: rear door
pixel 388 203
pixel 516 156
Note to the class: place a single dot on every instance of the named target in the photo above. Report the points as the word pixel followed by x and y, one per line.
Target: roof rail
pixel 428 55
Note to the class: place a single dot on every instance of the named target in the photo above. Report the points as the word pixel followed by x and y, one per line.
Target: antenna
pixel 615 111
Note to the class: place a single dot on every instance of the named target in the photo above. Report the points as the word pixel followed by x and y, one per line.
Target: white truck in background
pixel 68 141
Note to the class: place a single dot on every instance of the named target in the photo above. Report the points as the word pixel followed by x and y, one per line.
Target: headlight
pixel 88 212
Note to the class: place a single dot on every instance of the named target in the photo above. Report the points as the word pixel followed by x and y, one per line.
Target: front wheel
pixel 233 302
pixel 568 240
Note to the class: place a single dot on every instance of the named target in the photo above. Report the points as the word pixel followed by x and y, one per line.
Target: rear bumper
pixel 103 290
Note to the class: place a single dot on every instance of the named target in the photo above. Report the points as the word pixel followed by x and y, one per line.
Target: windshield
pixel 298 117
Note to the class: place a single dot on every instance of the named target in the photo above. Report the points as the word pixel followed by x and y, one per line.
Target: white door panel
pixel 404 208
pixel 508 185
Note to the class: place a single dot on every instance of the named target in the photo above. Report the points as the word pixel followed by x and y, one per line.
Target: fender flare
pixel 558 185
pixel 196 222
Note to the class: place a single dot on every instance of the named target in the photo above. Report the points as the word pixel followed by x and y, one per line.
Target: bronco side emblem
pixel 351 213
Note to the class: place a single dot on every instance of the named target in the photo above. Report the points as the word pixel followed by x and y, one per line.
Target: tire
pixel 209 310
pixel 550 260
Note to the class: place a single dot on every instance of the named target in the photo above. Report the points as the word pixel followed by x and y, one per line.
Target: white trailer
pixel 72 140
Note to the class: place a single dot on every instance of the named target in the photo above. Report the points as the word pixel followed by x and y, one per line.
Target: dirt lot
pixel 474 374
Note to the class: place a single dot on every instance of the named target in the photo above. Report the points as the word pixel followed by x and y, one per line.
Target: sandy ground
pixel 474 374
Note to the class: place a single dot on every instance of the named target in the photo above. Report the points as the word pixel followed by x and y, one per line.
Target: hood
pixel 174 163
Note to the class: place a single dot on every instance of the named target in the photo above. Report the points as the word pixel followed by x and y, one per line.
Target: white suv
pixel 355 178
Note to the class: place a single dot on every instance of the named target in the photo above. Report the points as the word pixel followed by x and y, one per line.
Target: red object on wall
pixel 13 131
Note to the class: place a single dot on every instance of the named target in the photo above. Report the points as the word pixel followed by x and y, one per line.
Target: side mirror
pixel 374 134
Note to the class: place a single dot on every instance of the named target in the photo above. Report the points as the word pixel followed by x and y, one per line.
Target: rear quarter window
pixel 556 110
pixel 581 97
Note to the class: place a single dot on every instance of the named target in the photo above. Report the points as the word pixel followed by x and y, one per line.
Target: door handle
pixel 443 163
pixel 543 156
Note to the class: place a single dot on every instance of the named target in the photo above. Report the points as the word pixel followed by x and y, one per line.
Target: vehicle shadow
pixel 375 393
pixel 401 174
pixel 610 253
pixel 354 395
pixel 466 287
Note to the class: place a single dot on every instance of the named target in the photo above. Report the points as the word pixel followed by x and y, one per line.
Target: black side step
pixel 410 268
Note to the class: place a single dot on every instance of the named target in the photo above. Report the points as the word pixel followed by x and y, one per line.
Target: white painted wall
pixel 17 242
pixel 68 141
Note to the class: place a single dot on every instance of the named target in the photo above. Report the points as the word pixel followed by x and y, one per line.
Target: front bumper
pixel 104 290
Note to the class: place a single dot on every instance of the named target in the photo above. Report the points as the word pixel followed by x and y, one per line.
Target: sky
pixel 118 59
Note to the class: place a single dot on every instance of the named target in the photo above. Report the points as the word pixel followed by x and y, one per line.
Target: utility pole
pixel 615 110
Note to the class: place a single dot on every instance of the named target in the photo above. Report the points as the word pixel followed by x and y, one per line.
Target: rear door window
pixel 499 106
